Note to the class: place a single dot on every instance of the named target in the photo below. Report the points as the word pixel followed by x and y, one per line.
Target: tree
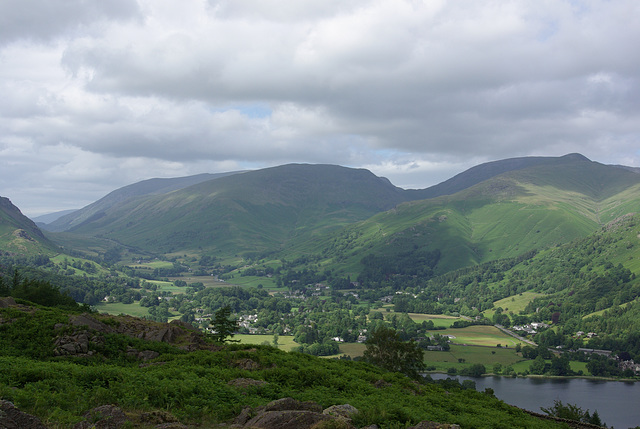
pixel 573 412
pixel 223 326
pixel 537 366
pixel 386 350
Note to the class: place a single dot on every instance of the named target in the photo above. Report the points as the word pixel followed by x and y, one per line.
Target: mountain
pixel 256 211
pixel 18 233
pixel 486 171
pixel 122 195
pixel 507 215
pixel 494 210
pixel 45 219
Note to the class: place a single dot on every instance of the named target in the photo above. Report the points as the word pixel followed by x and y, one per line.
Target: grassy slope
pixel 502 217
pixel 18 234
pixel 195 386
pixel 251 212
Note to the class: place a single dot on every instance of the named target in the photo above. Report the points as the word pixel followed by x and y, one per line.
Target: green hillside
pixel 503 217
pixel 18 234
pixel 127 193
pixel 59 366
pixel 256 211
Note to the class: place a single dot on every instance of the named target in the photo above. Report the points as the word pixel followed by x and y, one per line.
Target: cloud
pixel 414 90
pixel 43 20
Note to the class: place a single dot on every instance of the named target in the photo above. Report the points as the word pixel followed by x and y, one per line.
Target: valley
pixel 516 268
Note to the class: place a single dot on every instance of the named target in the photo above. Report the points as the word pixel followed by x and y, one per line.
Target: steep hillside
pixel 122 195
pixel 257 211
pixel 505 216
pixel 18 234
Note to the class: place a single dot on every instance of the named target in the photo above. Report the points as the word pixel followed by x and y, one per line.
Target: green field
pixel 117 308
pixel 439 320
pixel 513 304
pixel 487 356
pixel 285 342
pixel 481 335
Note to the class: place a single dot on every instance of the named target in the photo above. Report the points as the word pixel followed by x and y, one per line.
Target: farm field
pixel 285 342
pixel 481 335
pixel 117 308
pixel 513 304
pixel 439 320
pixel 460 357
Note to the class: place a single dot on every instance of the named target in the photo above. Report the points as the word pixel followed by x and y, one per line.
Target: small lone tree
pixel 223 326
pixel 386 350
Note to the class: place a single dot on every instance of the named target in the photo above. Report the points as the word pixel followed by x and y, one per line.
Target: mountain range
pixel 338 214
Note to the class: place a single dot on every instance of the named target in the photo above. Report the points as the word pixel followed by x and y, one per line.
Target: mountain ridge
pixel 152 186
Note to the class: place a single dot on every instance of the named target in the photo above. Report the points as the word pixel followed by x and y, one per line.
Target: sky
pixel 96 95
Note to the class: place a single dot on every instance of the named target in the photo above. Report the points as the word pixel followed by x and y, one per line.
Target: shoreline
pixel 546 377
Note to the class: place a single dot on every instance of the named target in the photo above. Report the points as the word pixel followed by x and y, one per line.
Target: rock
pixel 174 425
pixel 157 417
pixel 288 419
pixel 288 413
pixel 7 301
pixel 244 383
pixel 247 364
pixel 342 412
pixel 104 417
pixel 433 425
pixel 245 415
pixel 12 418
pixel 379 384
pixel 290 404
pixel 88 321
pixel 146 355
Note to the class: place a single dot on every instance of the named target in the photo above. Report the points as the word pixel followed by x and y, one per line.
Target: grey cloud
pixel 42 20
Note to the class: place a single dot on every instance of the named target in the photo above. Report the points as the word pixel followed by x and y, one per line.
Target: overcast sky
pixel 95 94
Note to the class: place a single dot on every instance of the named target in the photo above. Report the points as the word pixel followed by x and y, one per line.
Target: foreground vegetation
pixel 199 387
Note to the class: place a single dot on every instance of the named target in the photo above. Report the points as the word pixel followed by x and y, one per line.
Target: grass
pixel 481 335
pixel 514 304
pixel 117 308
pixel 438 319
pixel 285 342
pixel 470 355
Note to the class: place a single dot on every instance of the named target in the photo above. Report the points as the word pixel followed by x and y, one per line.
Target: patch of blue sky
pixel 253 111
pixel 547 31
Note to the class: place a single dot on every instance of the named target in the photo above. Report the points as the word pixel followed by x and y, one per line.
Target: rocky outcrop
pixel 7 302
pixel 13 418
pixel 104 417
pixel 87 333
pixel 288 413
pixel 112 417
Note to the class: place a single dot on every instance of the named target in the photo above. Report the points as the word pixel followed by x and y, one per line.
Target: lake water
pixel 618 403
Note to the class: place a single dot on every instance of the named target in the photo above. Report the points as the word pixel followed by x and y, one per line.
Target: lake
pixel 618 403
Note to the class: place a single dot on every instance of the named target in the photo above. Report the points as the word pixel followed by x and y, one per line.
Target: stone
pixel 343 412
pixel 13 418
pixel 7 301
pixel 290 404
pixel 244 383
pixel 433 425
pixel 146 355
pixel 86 320
pixel 104 417
pixel 287 419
